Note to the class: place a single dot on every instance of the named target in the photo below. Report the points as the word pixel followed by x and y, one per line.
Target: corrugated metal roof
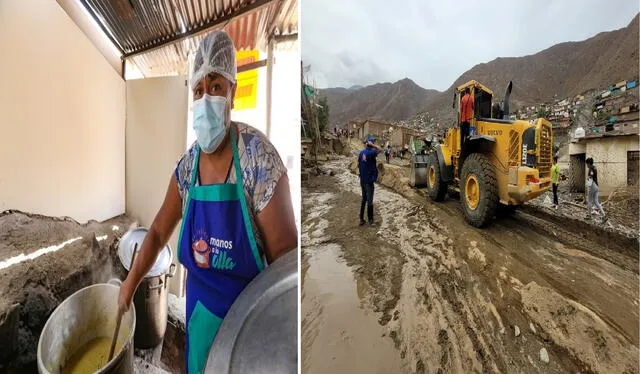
pixel 159 35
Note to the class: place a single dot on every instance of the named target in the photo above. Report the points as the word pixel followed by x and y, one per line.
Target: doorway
pixel 576 172
pixel 633 167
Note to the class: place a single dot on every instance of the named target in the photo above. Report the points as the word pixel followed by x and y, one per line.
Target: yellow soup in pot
pixel 89 358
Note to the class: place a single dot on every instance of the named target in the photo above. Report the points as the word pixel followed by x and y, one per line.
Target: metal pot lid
pixel 260 332
pixel 136 236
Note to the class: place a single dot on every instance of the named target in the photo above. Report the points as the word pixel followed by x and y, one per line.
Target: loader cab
pixel 481 110
pixel 482 96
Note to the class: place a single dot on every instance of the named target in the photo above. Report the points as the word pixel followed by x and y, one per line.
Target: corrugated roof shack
pixel 396 135
pixel 402 135
pixel 375 128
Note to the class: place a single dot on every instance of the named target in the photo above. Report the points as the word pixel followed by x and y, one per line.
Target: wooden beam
pixel 252 66
pixel 269 84
pixel 285 38
pixel 102 26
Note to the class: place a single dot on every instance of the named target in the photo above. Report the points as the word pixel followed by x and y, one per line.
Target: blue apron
pixel 218 248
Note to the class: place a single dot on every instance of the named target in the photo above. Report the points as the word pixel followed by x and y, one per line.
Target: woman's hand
pixel 163 225
pixel 127 289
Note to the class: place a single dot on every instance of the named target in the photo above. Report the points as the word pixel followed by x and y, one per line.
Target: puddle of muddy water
pixel 338 334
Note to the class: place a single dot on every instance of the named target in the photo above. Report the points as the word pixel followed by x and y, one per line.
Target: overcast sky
pixel 349 42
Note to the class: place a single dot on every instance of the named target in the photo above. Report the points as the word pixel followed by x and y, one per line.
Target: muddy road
pixel 422 292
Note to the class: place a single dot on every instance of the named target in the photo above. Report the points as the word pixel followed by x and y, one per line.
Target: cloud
pixel 433 42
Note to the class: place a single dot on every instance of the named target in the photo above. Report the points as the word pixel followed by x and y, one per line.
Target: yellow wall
pixel 156 138
pixel 62 117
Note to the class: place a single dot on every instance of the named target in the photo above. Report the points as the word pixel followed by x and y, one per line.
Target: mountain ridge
pixel 562 70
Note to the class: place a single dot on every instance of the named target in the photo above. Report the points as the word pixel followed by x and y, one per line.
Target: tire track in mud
pixel 430 268
pixel 449 303
pixel 335 322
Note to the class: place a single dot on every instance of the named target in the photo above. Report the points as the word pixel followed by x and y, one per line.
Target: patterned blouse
pixel 261 167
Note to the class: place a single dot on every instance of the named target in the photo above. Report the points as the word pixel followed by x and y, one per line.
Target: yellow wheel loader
pixel 502 164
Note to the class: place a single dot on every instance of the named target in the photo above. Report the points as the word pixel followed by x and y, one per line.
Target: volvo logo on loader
pixel 495 132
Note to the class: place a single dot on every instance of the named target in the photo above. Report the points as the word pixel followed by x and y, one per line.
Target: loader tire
pixel 435 186
pixel 478 190
pixel 506 210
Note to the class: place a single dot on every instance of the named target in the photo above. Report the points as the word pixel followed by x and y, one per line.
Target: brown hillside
pixel 388 101
pixel 565 69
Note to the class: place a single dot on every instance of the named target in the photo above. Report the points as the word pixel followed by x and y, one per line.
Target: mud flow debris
pixel 423 292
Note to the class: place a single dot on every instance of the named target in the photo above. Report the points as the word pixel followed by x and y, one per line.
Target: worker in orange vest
pixel 466 114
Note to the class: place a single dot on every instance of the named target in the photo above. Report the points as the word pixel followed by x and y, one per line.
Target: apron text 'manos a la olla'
pixel 218 248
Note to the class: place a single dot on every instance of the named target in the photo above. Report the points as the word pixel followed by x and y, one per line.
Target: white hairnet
pixel 216 54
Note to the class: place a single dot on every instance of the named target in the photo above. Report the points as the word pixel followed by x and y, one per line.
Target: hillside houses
pixel 615 110
pixel 610 136
pixel 396 135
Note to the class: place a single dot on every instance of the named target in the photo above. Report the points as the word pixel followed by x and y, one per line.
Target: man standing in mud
pixel 367 166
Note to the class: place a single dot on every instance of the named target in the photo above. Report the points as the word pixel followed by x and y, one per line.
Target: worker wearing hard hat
pixel 232 192
pixel 368 168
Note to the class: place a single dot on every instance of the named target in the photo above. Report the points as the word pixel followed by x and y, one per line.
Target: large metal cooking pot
pixel 260 332
pixel 151 296
pixel 87 314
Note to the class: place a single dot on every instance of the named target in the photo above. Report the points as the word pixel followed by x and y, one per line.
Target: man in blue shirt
pixel 368 169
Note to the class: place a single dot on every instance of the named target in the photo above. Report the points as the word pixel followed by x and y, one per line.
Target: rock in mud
pixel 533 329
pixel 544 355
pixel 517 330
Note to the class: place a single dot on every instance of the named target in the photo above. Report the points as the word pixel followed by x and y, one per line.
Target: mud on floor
pixel 72 256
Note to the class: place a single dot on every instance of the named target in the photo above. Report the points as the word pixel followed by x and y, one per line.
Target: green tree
pixel 323 114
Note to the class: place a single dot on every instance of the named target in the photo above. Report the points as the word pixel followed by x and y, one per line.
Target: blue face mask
pixel 209 121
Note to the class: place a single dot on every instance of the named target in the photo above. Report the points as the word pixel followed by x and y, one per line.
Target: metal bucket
pixel 418 173
pixel 87 314
pixel 260 332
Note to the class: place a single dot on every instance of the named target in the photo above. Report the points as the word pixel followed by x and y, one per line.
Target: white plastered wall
pixel 62 117
pixel 610 158
pixel 156 138
pixel 285 120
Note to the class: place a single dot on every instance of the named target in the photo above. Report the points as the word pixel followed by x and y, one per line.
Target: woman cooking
pixel 231 191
